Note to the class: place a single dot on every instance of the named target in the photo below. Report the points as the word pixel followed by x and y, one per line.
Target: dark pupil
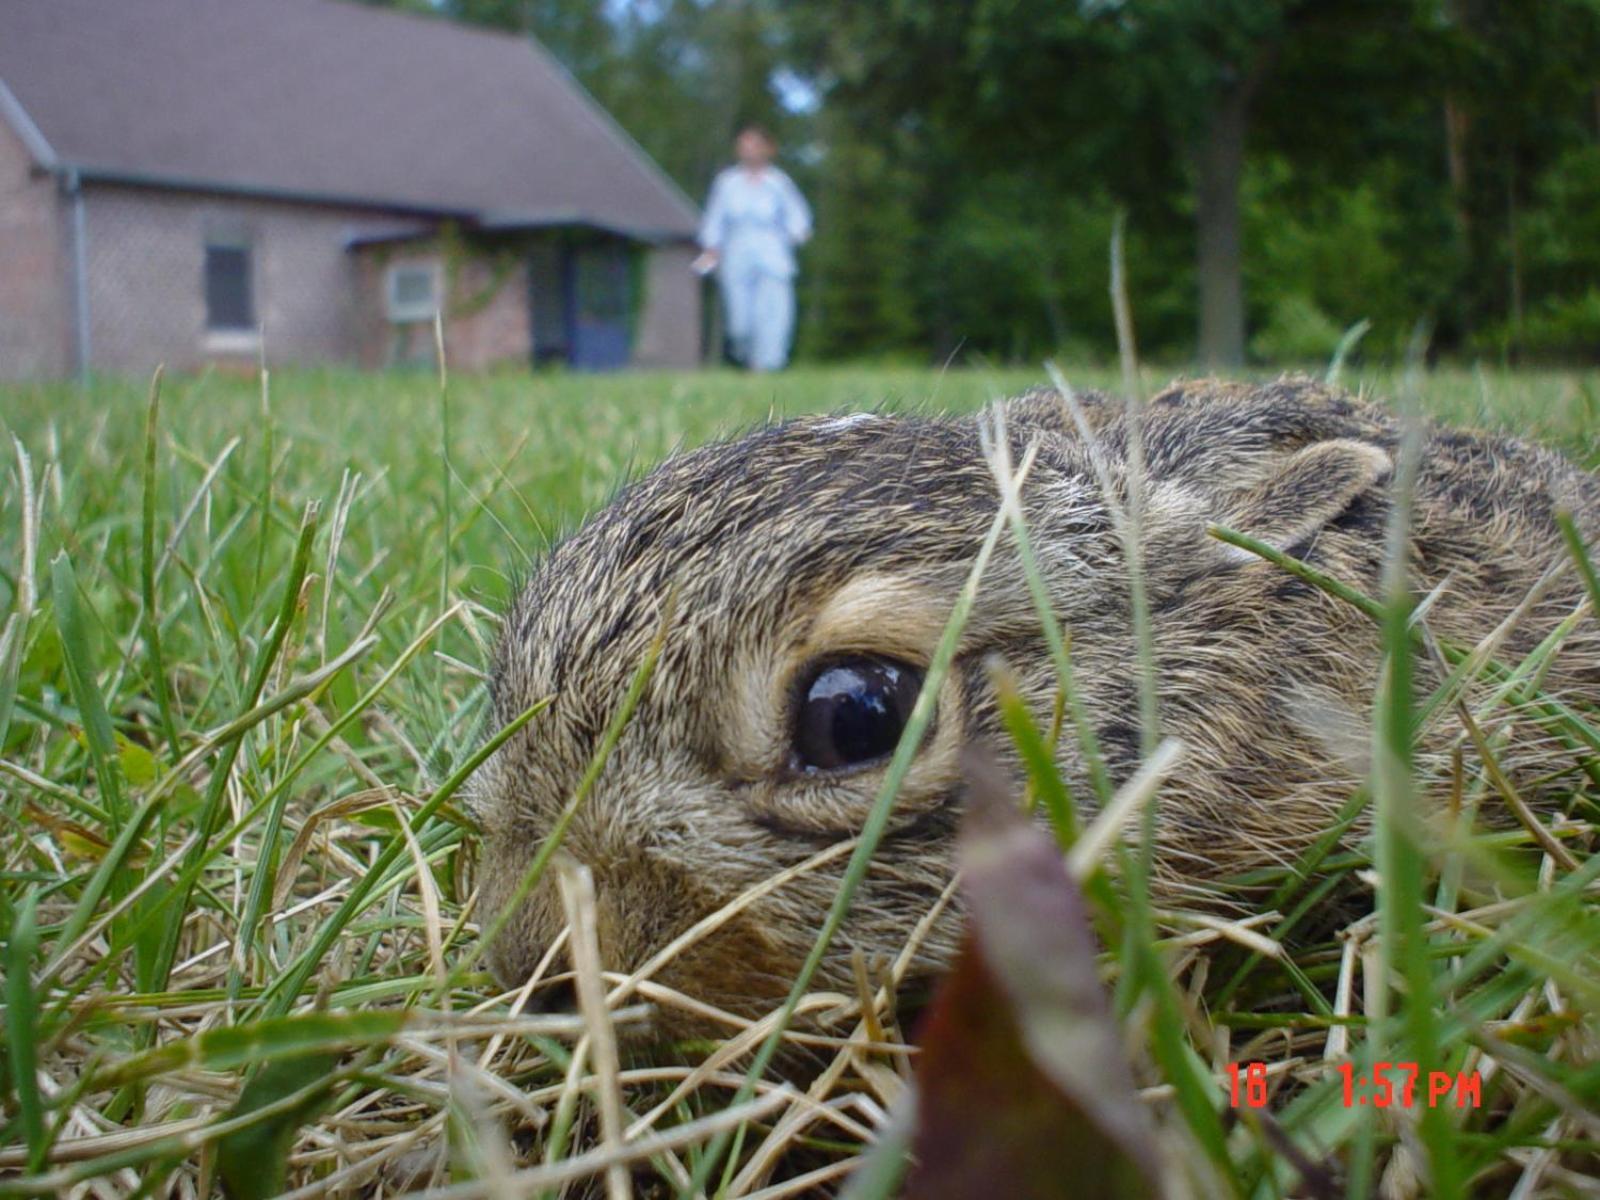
pixel 853 712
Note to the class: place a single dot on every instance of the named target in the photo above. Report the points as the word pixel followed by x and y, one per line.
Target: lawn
pixel 246 642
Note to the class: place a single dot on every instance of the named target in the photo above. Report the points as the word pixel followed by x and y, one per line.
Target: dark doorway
pixel 581 300
pixel 600 293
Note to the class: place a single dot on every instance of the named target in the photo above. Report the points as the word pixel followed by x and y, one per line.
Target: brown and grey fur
pixel 826 535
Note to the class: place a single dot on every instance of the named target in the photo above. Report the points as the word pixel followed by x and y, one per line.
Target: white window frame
pixel 405 313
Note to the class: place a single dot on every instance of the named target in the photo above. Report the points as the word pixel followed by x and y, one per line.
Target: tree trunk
pixel 1455 142
pixel 1514 245
pixel 1221 163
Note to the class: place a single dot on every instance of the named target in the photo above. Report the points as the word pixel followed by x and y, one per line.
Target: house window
pixel 413 292
pixel 230 306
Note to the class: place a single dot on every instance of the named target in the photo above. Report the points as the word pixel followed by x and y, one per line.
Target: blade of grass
pixel 1347 344
pixel 62 1181
pixel 445 514
pixel 279 995
pixel 97 733
pixel 278 798
pixel 578 898
pixel 147 573
pixel 22 1021
pixel 883 1169
pixel 154 976
pixel 871 834
pixel 1580 555
pixel 1560 717
pixel 591 775
pixel 1197 1093
pixel 1133 545
pixel 1403 946
pixel 263 501
pixel 86 694
pixel 1060 656
pixel 14 636
pixel 159 795
pixel 272 1039
pixel 1051 789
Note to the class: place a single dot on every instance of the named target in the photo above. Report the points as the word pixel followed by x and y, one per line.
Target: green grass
pixel 245 645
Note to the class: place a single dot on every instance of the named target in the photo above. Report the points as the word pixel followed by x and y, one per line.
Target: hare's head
pixel 812 568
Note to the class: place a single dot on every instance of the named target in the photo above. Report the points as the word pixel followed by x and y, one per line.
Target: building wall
pixel 146 258
pixel 488 323
pixel 486 318
pixel 315 300
pixel 669 320
pixel 35 303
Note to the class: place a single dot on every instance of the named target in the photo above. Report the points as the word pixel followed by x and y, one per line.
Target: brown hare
pixel 815 563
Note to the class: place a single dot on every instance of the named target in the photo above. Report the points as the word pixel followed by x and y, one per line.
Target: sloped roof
pixel 326 100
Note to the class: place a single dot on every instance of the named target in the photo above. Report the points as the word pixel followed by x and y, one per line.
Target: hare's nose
pixel 559 995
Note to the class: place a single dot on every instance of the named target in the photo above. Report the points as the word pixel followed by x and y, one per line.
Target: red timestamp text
pixel 1389 1085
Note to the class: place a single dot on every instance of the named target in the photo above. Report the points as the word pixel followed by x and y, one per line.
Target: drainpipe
pixel 80 276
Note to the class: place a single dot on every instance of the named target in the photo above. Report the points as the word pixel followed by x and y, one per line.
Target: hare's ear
pixel 1306 491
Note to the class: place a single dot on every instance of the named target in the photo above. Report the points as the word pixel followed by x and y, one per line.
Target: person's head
pixel 754 146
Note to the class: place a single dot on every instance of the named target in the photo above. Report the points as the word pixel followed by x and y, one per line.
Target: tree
pixel 1152 100
pixel 862 299
pixel 1521 80
pixel 1291 166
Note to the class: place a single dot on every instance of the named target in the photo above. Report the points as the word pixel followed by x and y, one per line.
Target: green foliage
pixel 1025 272
pixel 1561 241
pixel 253 1163
pixel 1406 161
pixel 1328 257
pixel 1562 232
pixel 860 298
pixel 1296 331
pixel 22 1021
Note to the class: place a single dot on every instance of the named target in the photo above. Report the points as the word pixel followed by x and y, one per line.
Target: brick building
pixel 182 181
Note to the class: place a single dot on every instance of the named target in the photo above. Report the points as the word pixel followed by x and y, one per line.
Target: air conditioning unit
pixel 413 292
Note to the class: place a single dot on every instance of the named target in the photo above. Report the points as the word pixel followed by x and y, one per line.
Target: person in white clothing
pixel 754 219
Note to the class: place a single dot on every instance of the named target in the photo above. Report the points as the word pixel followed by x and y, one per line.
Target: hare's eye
pixel 852 711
